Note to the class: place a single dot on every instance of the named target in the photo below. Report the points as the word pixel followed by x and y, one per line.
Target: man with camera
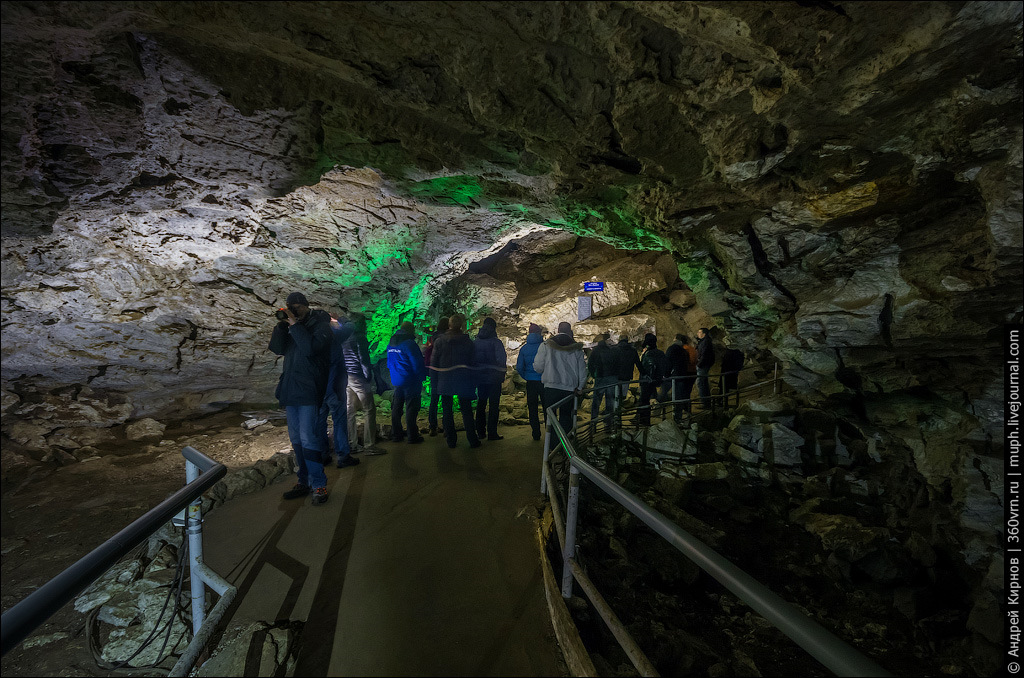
pixel 303 337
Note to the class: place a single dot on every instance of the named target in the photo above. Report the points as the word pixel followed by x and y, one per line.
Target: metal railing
pixel 835 654
pixel 201 474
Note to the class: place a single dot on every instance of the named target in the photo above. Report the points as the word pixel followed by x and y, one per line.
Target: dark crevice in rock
pixel 885 319
pixel 101 371
pixel 191 336
pixel 763 265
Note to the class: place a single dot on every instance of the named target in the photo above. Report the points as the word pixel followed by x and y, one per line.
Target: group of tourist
pixel 327 373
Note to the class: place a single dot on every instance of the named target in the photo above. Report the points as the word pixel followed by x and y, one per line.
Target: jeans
pixel 305 439
pixel 360 394
pixel 448 419
pixel 604 387
pixel 338 409
pixel 487 399
pixel 703 385
pixel 534 396
pixel 567 412
pixel 407 397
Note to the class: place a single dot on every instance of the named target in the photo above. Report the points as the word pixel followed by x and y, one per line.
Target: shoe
pixel 397 439
pixel 417 440
pixel 319 496
pixel 373 450
pixel 536 436
pixel 432 432
pixel 345 462
pixel 495 437
pixel 475 445
pixel 481 434
pixel 297 492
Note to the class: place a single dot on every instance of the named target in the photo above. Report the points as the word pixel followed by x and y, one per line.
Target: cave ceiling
pixel 846 176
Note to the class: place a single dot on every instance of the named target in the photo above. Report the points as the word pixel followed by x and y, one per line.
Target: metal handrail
pixel 19 621
pixel 826 647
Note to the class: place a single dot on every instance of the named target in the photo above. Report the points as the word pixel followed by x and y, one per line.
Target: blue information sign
pixel 593 287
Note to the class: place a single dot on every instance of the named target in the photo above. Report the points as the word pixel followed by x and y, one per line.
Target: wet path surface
pixel 422 562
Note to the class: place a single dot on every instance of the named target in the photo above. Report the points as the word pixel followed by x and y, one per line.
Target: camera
pixel 280 314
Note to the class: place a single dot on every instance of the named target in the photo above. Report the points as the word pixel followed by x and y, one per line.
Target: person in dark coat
pixel 335 401
pixel 705 359
pixel 678 372
pixel 534 385
pixel 435 395
pixel 304 339
pixel 652 374
pixel 405 363
pixel 452 361
pixel 603 368
pixel 627 360
pixel 732 363
pixel 491 362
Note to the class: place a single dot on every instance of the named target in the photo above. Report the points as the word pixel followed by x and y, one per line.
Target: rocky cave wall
pixel 836 183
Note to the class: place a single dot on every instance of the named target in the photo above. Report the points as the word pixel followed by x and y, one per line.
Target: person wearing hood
pixel 705 359
pixel 603 367
pixel 304 339
pixel 453 361
pixel 652 374
pixel 360 388
pixel 405 363
pixel 563 371
pixel 491 361
pixel 534 386
pixel 435 395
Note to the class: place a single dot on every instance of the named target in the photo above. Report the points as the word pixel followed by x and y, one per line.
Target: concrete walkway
pixel 420 563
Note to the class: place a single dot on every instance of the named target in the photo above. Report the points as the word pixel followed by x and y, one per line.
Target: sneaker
pixel 345 462
pixel 373 450
pixel 495 437
pixel 417 440
pixel 432 432
pixel 297 492
pixel 536 436
pixel 319 496
pixel 397 439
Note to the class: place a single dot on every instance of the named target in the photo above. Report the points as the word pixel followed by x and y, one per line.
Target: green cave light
pixel 384 318
pixel 459 190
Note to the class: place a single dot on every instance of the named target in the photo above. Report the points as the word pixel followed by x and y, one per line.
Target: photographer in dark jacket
pixel 303 337
pixel 705 359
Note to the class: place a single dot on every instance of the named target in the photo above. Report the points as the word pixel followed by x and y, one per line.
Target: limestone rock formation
pixel 838 184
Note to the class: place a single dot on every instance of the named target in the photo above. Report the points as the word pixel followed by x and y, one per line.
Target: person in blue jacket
pixel 534 386
pixel 491 363
pixel 453 362
pixel 405 363
pixel 336 400
pixel 304 339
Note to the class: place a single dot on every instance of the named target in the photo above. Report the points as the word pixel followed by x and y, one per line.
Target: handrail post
pixel 571 516
pixel 547 452
pixel 195 550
